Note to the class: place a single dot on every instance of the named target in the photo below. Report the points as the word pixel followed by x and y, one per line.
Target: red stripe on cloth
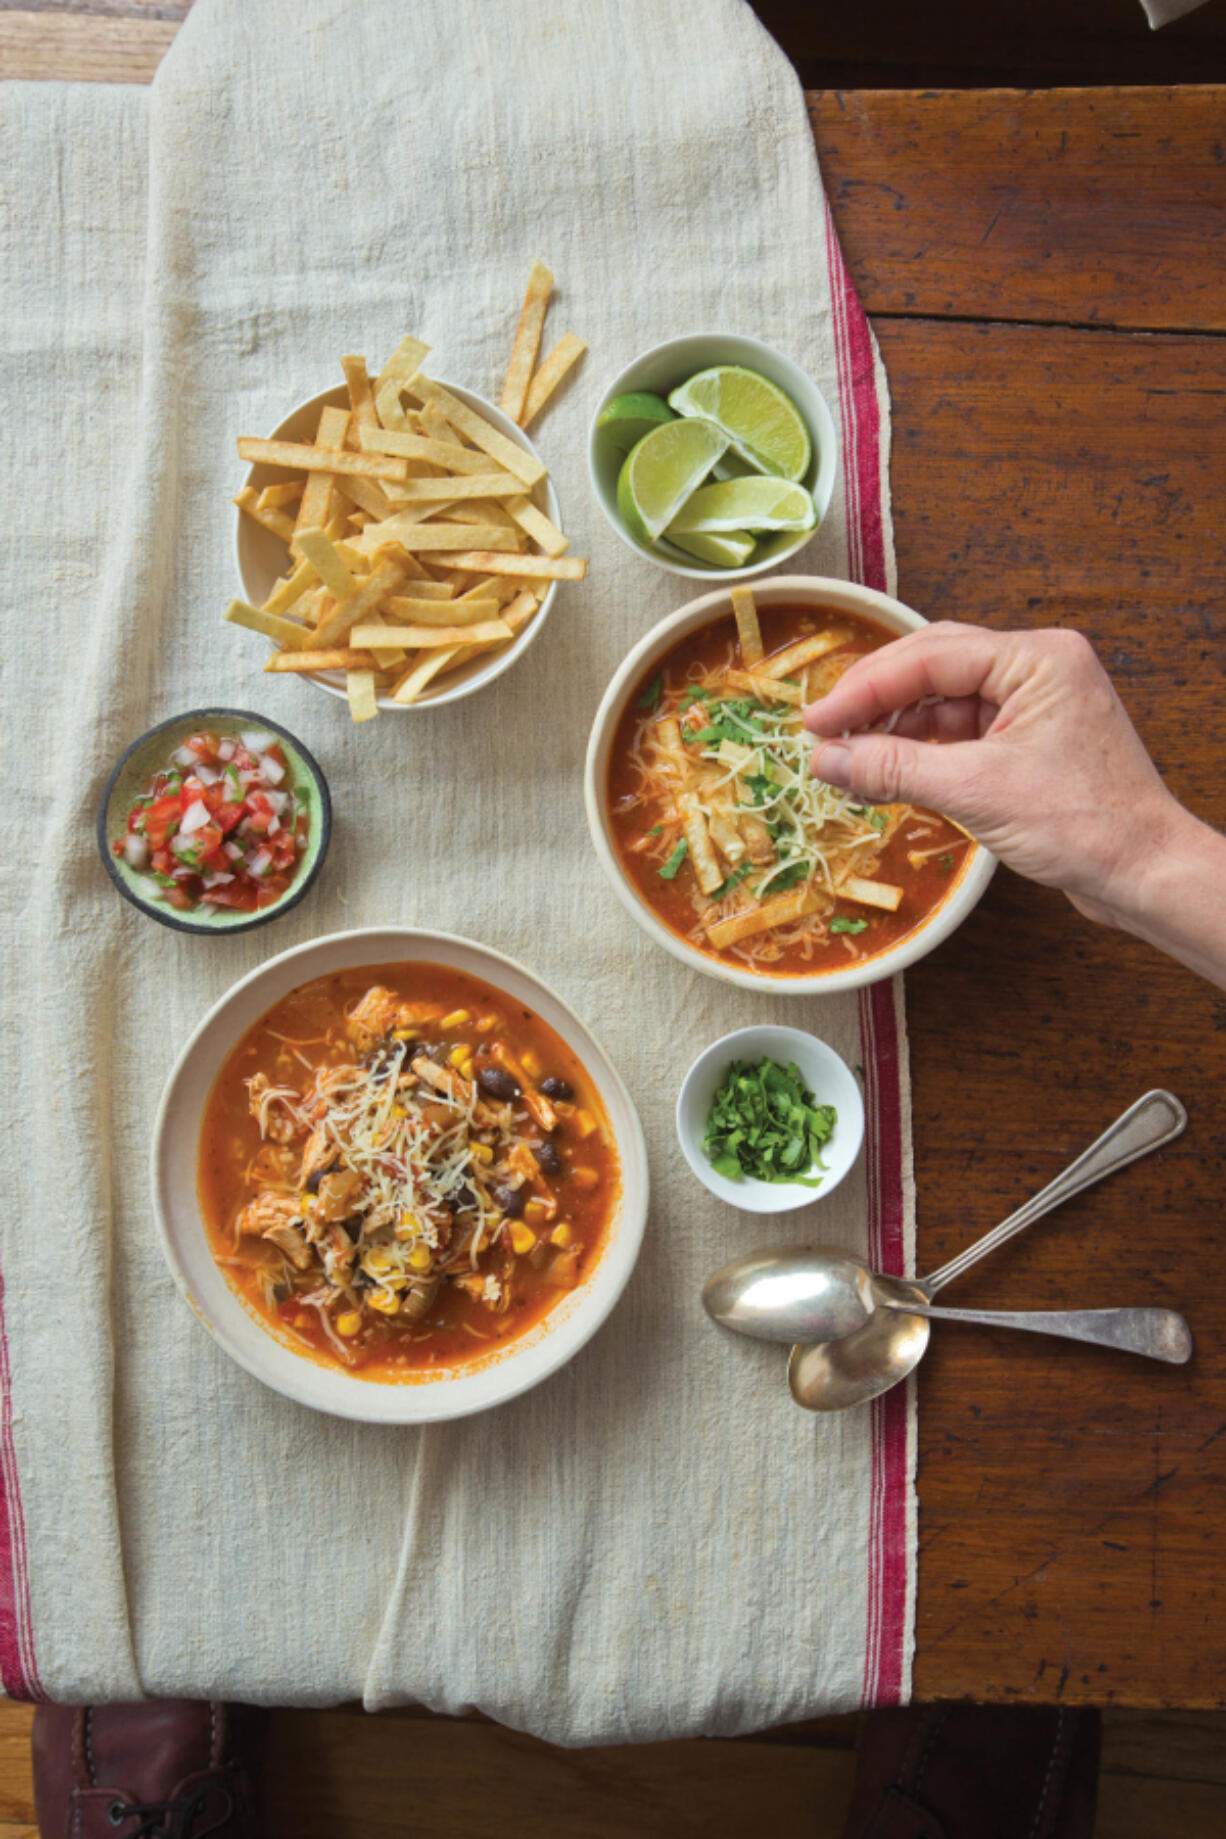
pixel 18 1666
pixel 887 1635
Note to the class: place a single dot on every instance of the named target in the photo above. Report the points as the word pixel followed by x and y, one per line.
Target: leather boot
pixel 976 1772
pixel 162 1769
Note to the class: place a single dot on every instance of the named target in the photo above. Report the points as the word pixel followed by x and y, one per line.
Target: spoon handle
pixel 1154 1120
pixel 1159 1334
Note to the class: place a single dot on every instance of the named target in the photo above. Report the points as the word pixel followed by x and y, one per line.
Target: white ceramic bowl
pixel 447 1392
pixel 262 557
pixel 827 1076
pixel 660 370
pixel 815 590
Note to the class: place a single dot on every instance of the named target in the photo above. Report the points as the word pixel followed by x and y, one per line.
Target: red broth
pixel 572 1201
pixel 925 855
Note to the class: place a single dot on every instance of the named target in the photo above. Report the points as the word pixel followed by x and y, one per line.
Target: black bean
pixel 496 1083
pixel 560 1089
pixel 463 1197
pixel 549 1159
pixel 511 1200
pixel 313 1181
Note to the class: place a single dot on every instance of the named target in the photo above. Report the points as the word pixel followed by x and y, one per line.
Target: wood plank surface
pixel 85 47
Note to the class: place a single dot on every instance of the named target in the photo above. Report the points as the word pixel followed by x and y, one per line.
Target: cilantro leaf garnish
pixel 765 1122
pixel 655 830
pixel 947 863
pixel 674 862
pixel 789 877
pixel 734 880
pixel 650 698
pixel 692 696
pixel 840 923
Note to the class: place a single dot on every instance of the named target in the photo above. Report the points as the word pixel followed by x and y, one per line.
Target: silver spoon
pixel 807 1294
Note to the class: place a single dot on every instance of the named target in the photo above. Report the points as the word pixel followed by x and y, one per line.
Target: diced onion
pixel 218 880
pixel 135 851
pixel 183 756
pixel 208 775
pixel 194 818
pixel 273 772
pixel 226 751
pixel 260 863
pixel 277 801
pixel 233 851
pixel 256 742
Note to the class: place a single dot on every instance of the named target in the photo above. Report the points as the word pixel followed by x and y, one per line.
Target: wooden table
pixel 1045 275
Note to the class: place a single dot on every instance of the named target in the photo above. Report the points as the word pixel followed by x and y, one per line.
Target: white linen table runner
pixel 656 1542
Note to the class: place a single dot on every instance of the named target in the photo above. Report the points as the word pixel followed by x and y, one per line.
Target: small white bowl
pixel 813 590
pixel 453 1392
pixel 660 370
pixel 262 557
pixel 827 1076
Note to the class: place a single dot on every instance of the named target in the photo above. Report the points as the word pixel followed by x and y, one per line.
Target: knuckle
pixel 879 771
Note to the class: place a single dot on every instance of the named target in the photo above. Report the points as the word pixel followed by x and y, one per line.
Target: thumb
pixel 885 769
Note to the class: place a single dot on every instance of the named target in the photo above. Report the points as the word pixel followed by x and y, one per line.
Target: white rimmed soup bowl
pixel 262 558
pixel 445 1392
pixel 790 590
pixel 660 370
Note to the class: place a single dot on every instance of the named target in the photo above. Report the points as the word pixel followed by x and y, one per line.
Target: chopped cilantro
pixel 691 697
pixel 765 1122
pixel 789 877
pixel 702 737
pixel 650 699
pixel 761 785
pixel 877 819
pixel 840 923
pixel 655 830
pixel 734 881
pixel 947 863
pixel 674 861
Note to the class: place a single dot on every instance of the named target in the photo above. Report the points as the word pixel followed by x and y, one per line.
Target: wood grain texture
pixel 1098 207
pixel 83 47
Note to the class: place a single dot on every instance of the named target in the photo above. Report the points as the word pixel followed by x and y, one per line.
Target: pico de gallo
pixel 221 825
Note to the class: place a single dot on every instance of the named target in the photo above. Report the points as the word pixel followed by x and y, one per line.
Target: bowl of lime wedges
pixel 713 455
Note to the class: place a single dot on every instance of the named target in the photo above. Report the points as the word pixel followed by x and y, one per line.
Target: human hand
pixel 1038 758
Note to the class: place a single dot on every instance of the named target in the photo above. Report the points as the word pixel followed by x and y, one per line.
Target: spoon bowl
pixel 834 1375
pixel 792 1293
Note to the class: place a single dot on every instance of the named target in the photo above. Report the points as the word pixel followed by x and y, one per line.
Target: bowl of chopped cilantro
pixel 770 1118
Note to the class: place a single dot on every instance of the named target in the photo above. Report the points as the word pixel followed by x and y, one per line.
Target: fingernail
pixel 833 764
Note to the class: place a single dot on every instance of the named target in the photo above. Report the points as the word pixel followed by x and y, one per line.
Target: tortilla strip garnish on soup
pixel 401 1168
pixel 721 826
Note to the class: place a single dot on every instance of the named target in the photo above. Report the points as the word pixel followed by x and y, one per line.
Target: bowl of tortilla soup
pixel 713 831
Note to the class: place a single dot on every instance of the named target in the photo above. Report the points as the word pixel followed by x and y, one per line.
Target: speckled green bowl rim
pixel 308 782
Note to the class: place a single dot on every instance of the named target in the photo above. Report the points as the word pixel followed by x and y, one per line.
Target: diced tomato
pixel 271 889
pixel 181 897
pixel 217 862
pixel 207 839
pixel 162 819
pixel 204 746
pixel 241 894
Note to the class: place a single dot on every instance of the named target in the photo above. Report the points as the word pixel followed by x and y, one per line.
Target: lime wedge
pixel 731 550
pixel 626 419
pixel 763 425
pixel 733 505
pixel 662 471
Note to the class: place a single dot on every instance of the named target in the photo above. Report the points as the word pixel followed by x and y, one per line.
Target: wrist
pixel 1176 897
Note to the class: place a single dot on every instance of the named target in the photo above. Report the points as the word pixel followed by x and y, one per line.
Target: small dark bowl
pixel 152 750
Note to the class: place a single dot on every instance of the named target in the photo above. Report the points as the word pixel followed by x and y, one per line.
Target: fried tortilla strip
pixel 749 632
pixel 778 912
pixel 404 611
pixel 871 894
pixel 290 588
pixel 425 638
pixel 386 656
pixel 319 500
pixel 565 353
pixel 472 485
pixel 726 835
pixel 406 446
pixel 276 497
pixel 282 631
pixel 439 663
pixel 248 502
pixel 527 342
pixel 361 397
pixel 335 624
pixel 428 590
pixel 757 839
pixel 360 689
pixel 702 855
pixel 403 365
pixel 480 432
pixel 528 568
pixel 668 734
pixel 763 688
pixel 539 527
pixel 802 652
pixel 298 457
pixel 367 494
pixel 438 428
pixel 340 657
pixel 488 511
pixel 413 534
pixel 328 564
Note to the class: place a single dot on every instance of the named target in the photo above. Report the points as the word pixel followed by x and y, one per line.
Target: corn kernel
pixel 456 1019
pixel 530 1063
pixel 563 1109
pixel 467 1068
pixel 379 1262
pixel 419 1258
pixel 487 1024
pixel 522 1238
pixel 407 1227
pixel 385 1301
pixel 585 1123
pixel 584 1178
pixel 459 1055
pixel 561 1234
pixel 399 1111
pixel 481 1152
pixel 406 1034
pixel 349 1323
pixel 536 1211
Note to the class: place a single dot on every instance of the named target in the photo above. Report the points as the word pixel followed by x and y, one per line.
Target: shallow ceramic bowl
pixel 137 766
pixel 445 1392
pixel 660 370
pixel 262 557
pixel 827 1076
pixel 811 590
